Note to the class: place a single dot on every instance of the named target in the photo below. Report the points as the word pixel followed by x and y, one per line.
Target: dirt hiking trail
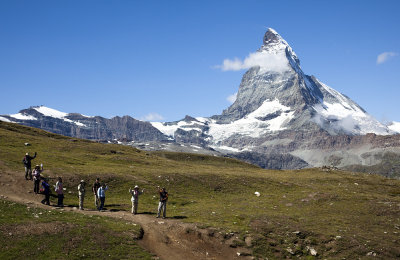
pixel 165 238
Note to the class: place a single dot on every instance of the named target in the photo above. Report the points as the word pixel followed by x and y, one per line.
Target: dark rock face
pixel 273 160
pixel 93 128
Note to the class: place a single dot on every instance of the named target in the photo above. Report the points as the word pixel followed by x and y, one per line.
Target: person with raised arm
pixel 101 193
pixel 135 198
pixel 28 164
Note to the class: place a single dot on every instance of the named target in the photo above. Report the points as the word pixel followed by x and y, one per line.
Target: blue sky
pixel 141 58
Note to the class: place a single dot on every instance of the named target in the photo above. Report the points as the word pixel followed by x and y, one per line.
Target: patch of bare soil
pixel 35 228
pixel 166 238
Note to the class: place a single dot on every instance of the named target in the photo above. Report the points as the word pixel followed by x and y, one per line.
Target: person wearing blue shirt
pixel 46 191
pixel 101 193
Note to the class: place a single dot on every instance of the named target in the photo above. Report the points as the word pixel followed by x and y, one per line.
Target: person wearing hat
pixel 46 191
pixel 27 164
pixel 36 178
pixel 81 193
pixel 135 198
pixel 162 205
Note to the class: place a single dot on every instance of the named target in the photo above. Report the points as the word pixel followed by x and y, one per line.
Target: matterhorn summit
pixel 311 103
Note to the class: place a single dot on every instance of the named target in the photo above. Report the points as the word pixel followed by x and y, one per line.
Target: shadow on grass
pixel 178 217
pixel 113 205
pixel 145 213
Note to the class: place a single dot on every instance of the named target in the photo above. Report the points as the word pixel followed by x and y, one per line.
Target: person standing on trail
pixel 60 192
pixel 46 191
pixel 101 193
pixel 27 164
pixel 95 187
pixel 135 198
pixel 36 178
pixel 162 205
pixel 81 193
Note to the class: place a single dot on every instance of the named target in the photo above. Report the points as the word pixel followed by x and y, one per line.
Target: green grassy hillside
pixel 336 213
pixel 33 233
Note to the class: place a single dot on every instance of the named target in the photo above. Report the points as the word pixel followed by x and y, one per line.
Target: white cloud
pixel 267 61
pixel 232 98
pixel 347 124
pixel 385 56
pixel 152 117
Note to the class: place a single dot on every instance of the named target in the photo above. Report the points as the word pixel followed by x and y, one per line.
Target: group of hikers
pixel 98 189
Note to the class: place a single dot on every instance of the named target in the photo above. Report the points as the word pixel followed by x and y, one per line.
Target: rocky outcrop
pixel 93 128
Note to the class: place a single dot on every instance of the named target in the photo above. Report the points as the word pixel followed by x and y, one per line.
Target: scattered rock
pixel 312 251
pixel 290 251
pixel 257 194
pixel 27 144
pixel 248 241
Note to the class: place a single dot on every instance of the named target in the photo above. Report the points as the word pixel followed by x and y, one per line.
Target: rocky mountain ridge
pixel 281 119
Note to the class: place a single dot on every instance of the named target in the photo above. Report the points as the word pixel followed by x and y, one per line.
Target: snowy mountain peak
pixel 274 44
pixel 46 111
pixel 272 37
pixel 315 105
